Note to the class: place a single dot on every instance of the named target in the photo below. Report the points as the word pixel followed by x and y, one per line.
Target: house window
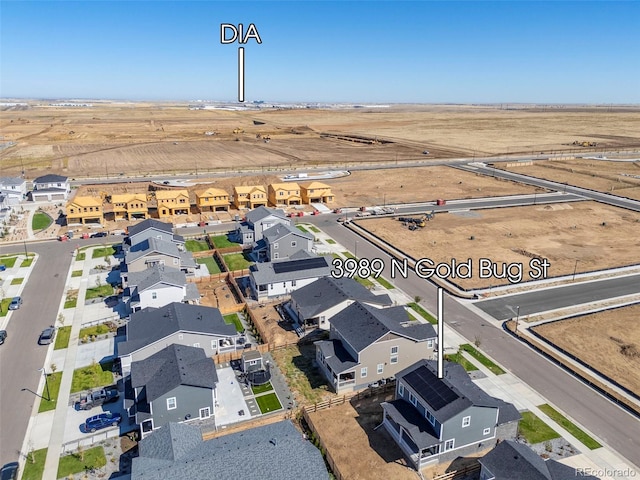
pixel 466 421
pixel 294 243
pixel 276 255
pixel 430 417
pixel 180 336
pixel 380 368
pixel 293 283
pixel 449 444
pixel 171 403
pixel 214 345
pixel 154 295
pixel 486 431
pixel 175 261
pixel 401 390
pixel 363 372
pixel 275 246
pixel 197 345
pixel 430 343
pixel 205 412
pixel 394 359
pixel 394 350
pixel 413 399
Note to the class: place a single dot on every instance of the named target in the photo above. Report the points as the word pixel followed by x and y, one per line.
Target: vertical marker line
pixel 440 333
pixel 241 74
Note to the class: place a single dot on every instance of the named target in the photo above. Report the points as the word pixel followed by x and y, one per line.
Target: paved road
pixel 504 308
pixel 613 425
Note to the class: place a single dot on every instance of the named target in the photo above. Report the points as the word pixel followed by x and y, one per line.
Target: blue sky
pixel 362 51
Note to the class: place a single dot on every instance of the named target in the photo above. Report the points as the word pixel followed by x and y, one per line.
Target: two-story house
pixel 156 287
pixel 176 384
pixel 85 210
pixel 286 193
pixel 173 202
pixel 281 241
pixel 438 419
pixel 14 189
pixel 150 330
pixel 368 344
pixel 249 196
pixel 151 228
pixel 313 306
pixel 256 222
pixel 130 206
pixel 154 251
pixel 212 200
pixel 49 188
pixel 316 192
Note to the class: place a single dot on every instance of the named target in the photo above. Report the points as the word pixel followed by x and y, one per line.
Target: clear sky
pixel 320 51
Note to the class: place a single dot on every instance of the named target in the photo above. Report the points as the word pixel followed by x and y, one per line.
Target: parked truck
pixel 97 398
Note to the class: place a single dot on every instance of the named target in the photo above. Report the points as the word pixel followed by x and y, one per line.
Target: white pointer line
pixel 440 333
pixel 241 74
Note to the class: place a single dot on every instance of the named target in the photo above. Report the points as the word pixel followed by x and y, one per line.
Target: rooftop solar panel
pixel 426 384
pixel 296 265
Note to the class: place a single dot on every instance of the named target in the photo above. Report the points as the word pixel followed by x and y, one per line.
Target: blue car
pixel 104 420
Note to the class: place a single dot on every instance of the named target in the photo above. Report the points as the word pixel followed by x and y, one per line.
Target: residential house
pixel 176 384
pixel 316 192
pixel 156 287
pixel 130 206
pixel 48 188
pixel 438 419
pixel 5 208
pixel 83 210
pixel 314 305
pixel 14 189
pixel 212 200
pixel 281 241
pixel 154 251
pixel 270 452
pixel 511 460
pixel 151 329
pixel 286 193
pixel 173 202
pixel 152 228
pixel 256 222
pixel 281 277
pixel 250 196
pixel 368 344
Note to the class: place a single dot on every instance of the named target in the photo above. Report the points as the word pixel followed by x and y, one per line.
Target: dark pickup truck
pixel 97 398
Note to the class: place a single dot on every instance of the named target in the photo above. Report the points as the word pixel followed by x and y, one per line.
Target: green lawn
pixel 53 381
pixel 70 303
pixel 302 229
pixel 40 221
pixel 8 261
pixel 76 463
pixel 233 318
pixel 535 430
pixel 62 338
pixel 211 264
pixel 482 359
pixel 17 281
pixel 81 256
pixel 236 261
pixel 385 283
pixel 423 313
pixel 458 358
pixel 221 241
pixel 95 330
pixel 348 254
pixel 268 403
pixel 4 306
pixel 34 470
pixel 365 282
pixel 565 423
pixel 257 389
pixel 101 291
pixel 103 252
pixel 93 376
pixel 314 229
pixel 27 261
pixel 196 245
pixel 331 241
pixel 76 273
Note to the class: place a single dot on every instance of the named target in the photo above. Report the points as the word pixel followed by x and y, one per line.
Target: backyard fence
pixel 458 474
pixel 90 440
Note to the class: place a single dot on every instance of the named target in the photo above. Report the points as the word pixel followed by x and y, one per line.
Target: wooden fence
pixel 323 448
pixel 458 474
pixel 208 278
pixel 341 400
pixel 237 354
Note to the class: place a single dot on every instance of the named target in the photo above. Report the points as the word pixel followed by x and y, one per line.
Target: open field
pixel 618 178
pixel 614 350
pixel 597 236
pixel 139 138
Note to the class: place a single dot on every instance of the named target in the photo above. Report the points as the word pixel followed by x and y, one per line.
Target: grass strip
pixel 385 283
pixel 93 376
pixel 81 461
pixel 268 403
pixel 210 263
pixel 535 430
pixel 62 338
pixel 565 423
pixel 196 245
pixel 34 465
pixel 459 358
pixel 482 359
pixel 53 386
pixel 423 313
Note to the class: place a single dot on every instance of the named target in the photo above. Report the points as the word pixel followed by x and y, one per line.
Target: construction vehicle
pixel 414 222
pixel 582 143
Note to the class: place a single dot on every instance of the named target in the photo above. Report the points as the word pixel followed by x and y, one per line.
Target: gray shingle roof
pixel 263 273
pixel 328 292
pixel 336 356
pixel 259 213
pixel 151 245
pixel 421 431
pixel 156 274
pixel 152 324
pixel 361 325
pixel 173 366
pixel 150 223
pixel 171 442
pixel 279 231
pixel 51 178
pixel 11 181
pixel 270 452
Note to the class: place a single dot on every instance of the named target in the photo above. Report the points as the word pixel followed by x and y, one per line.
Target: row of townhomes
pixel 168 202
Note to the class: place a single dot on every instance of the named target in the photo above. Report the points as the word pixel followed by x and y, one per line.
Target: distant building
pixel 83 210
pixel 151 228
pixel 316 192
pixel 48 188
pixel 256 222
pixel 251 197
pixel 14 189
pixel 212 200
pixel 280 242
pixel 130 206
pixel 158 286
pixel 286 193
pixel 173 202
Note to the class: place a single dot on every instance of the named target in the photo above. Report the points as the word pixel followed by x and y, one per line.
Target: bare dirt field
pixel 597 236
pixel 217 293
pixel 619 178
pixel 138 138
pixel 274 330
pixel 608 341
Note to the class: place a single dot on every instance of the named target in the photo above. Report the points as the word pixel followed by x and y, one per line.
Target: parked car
pixel 3 336
pixel 15 303
pixel 97 398
pixel 9 471
pixel 47 336
pixel 3 267
pixel 98 235
pixel 104 420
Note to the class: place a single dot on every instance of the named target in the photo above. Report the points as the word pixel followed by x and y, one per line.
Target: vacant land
pixel 594 235
pixel 614 350
pixel 218 294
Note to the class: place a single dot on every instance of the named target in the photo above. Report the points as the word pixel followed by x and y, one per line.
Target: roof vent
pixel 274 441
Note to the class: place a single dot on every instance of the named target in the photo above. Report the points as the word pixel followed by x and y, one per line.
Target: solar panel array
pixel 431 388
pixel 296 265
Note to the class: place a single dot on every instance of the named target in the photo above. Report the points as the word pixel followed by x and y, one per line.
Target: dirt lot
pixel 562 233
pixel 217 293
pixel 112 138
pixel 270 323
pixel 608 341
pixel 619 178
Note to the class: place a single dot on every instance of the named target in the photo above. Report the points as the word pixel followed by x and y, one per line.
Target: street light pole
pixel 356 250
pixel 517 317
pixel 26 254
pixel 46 384
pixel 575 268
